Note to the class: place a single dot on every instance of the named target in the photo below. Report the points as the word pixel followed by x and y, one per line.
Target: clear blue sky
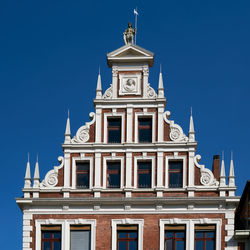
pixel 50 52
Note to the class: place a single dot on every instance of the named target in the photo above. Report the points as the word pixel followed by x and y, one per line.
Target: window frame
pixel 114 172
pixel 140 171
pixel 144 127
pixel 114 114
pixel 126 222
pixel 75 160
pixel 174 229
pixel 51 240
pixel 144 158
pixel 127 240
pixel 175 157
pixel 113 158
pixel 136 127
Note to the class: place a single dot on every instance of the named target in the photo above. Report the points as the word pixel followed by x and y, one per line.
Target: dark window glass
pixel 145 129
pixel 114 130
pixel 82 175
pixel 204 240
pixel 127 240
pixel 51 240
pixel 175 174
pixel 175 240
pixel 113 174
pixel 144 174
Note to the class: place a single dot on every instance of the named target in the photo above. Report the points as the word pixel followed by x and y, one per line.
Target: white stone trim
pixel 124 90
pixel 144 114
pixel 105 125
pixel 91 169
pixel 127 221
pixel 65 233
pixel 104 174
pixel 152 159
pixel 184 176
pixel 190 231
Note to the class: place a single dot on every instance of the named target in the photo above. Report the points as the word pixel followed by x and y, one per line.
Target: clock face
pixel 130 84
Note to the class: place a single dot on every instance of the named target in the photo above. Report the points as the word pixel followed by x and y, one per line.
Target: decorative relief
pixel 114 71
pixel 108 93
pixel 150 92
pixel 129 84
pixel 207 177
pixel 82 135
pixel 145 71
pixel 51 178
pixel 176 132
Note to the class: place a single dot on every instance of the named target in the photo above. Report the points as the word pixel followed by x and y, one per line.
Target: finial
pixel 27 178
pixel 99 86
pixel 231 155
pixel 28 156
pixel 231 177
pixel 160 67
pixel 36 179
pixel 222 154
pixel 191 111
pixel 191 133
pixel 67 134
pixel 160 86
pixel 128 35
pixel 222 172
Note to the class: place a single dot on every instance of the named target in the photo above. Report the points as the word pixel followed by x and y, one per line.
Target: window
pixel 82 174
pixel 204 237
pixel 113 175
pixel 174 237
pixel 127 237
pixel 145 129
pixel 80 238
pixel 114 130
pixel 144 174
pixel 51 238
pixel 175 174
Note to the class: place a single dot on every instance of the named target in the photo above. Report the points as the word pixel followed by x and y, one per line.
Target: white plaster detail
pixel 176 132
pixel 82 134
pixel 127 221
pixel 130 84
pixel 207 177
pixel 150 92
pixel 108 93
pixel 51 178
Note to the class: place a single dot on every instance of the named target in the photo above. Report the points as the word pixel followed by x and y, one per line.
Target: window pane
pixel 114 181
pixel 122 235
pixel 114 122
pixel 57 245
pixel 114 166
pixel 133 245
pixel 80 240
pixel 180 234
pixel 198 234
pixel 169 234
pixel 210 245
pixel 133 235
pixel 145 129
pixel 46 235
pixel 83 180
pixel 122 245
pixel 175 165
pixel 145 122
pixel 57 235
pixel 114 136
pixel 168 245
pixel 180 245
pixel 144 180
pixel 144 165
pixel 209 234
pixel 83 166
pixel 46 246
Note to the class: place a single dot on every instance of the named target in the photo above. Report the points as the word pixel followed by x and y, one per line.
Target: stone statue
pixel 128 35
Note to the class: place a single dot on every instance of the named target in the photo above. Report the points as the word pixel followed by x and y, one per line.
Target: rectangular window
pixel 175 237
pixel 144 174
pixel 80 238
pixel 51 238
pixel 145 129
pixel 205 237
pixel 175 174
pixel 127 238
pixel 82 174
pixel 114 130
pixel 113 174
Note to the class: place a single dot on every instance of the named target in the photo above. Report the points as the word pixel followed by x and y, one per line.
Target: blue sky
pixel 50 52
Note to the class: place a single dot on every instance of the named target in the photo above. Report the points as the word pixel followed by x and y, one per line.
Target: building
pixel 130 178
pixel 242 219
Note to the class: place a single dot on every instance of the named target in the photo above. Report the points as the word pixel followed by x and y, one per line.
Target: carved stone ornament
pixel 150 92
pixel 207 177
pixel 108 93
pixel 176 132
pixel 82 134
pixel 51 178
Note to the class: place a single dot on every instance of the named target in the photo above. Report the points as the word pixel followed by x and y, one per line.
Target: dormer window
pixel 114 130
pixel 145 129
pixel 82 175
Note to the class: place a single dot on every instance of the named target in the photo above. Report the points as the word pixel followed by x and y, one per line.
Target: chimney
pixel 216 167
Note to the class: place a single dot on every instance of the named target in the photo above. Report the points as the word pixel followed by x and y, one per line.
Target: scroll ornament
pixel 150 92
pixel 51 178
pixel 176 132
pixel 207 177
pixel 108 93
pixel 82 135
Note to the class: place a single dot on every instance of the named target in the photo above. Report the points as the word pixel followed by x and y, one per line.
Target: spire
pixel 191 133
pixel 99 86
pixel 27 178
pixel 222 172
pixel 67 131
pixel 231 178
pixel 36 179
pixel 160 86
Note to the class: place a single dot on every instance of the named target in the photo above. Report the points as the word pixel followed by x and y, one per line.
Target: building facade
pixel 130 178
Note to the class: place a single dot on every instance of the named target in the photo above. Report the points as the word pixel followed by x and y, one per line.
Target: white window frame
pixel 82 158
pixel 190 231
pixel 144 158
pixel 113 158
pixel 144 114
pixel 65 232
pixel 127 221
pixel 184 169
pixel 105 127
